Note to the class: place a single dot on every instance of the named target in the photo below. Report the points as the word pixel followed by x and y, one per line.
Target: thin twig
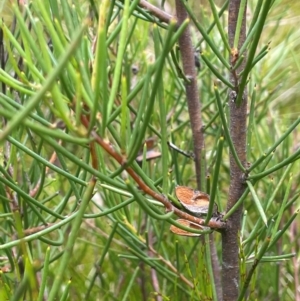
pixel 154 278
pixel 157 12
pixel 214 223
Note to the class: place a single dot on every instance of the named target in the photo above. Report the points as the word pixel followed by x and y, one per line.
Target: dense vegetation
pixel 92 95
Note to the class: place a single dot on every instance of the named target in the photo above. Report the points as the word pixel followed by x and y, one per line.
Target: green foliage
pixel 73 73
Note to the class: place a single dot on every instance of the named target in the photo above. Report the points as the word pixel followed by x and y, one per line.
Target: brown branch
pixel 37 229
pixel 192 94
pixel 194 107
pixel 214 223
pixel 238 117
pixel 158 13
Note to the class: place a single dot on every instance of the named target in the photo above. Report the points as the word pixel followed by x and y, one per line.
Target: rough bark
pixel 238 116
pixel 194 107
pixel 192 94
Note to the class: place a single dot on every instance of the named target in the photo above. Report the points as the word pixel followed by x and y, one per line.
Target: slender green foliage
pixel 93 94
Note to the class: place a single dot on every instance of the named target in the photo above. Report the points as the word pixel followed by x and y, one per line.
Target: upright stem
pixel 192 94
pixel 194 107
pixel 238 115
